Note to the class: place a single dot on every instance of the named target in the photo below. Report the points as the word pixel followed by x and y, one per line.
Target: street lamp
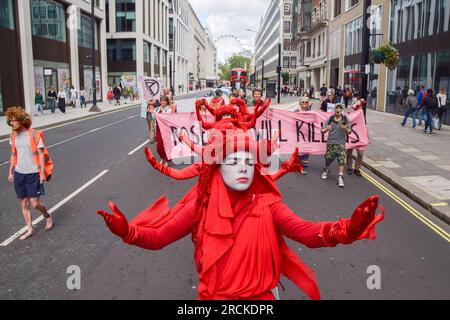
pixel 94 107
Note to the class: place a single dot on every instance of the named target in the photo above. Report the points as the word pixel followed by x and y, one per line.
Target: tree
pixel 285 76
pixel 235 61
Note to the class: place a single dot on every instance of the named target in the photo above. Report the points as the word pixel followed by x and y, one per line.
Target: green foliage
pixel 235 61
pixel 285 76
pixel 387 55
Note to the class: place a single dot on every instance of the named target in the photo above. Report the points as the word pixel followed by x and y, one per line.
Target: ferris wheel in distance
pixel 230 44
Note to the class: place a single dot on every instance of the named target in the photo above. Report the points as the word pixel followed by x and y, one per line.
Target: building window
pixel 121 50
pixel 285 62
pixel 125 16
pixel 107 14
pixel 351 3
pixel 335 38
pixel 155 55
pixel 314 48
pixel 146 52
pixel 85 33
pixel 286 44
pixel 353 34
pixel 48 20
pixel 319 43
pixel 6 14
pixel 293 62
pixel 287 8
pixel 308 49
pixel 337 8
pixel 287 26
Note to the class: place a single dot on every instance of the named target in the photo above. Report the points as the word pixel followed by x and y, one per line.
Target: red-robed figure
pixel 238 221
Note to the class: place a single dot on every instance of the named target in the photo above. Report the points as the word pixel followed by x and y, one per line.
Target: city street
pixel 102 159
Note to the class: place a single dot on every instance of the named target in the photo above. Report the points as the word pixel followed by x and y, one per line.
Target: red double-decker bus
pixel 239 78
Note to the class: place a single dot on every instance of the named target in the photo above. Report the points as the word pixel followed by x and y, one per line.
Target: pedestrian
pixel 242 95
pixel 28 166
pixel 431 106
pixel 164 108
pixel 217 100
pixel 338 127
pixel 117 92
pixel 62 100
pixel 257 94
pixel 359 105
pixel 347 96
pixel 83 98
pixel 151 120
pixel 304 106
pixel 421 97
pixel 442 108
pixel 311 93
pixel 73 96
pixel 323 92
pixel 233 94
pixel 328 104
pixel 110 95
pixel 39 102
pixel 412 106
pixel 52 96
pixel 237 221
pixel 338 94
pixel 173 105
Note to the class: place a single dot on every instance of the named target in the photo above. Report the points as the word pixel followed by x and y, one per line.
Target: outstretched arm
pixel 205 125
pixel 264 108
pixel 183 174
pixel 293 165
pixel 329 234
pixel 150 238
pixel 208 107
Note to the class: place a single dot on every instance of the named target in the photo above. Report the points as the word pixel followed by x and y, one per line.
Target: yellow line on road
pixel 442 204
pixel 408 208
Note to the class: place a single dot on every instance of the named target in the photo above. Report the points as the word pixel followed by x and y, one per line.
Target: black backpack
pixel 432 102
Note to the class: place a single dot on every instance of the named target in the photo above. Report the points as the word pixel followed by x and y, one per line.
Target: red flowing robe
pixel 240 251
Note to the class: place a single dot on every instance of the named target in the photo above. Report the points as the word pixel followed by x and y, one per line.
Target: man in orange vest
pixel 29 167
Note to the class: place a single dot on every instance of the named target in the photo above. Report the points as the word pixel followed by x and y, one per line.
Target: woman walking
pixel 62 100
pixel 39 102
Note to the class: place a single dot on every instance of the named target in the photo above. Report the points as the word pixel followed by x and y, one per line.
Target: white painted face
pixel 238 170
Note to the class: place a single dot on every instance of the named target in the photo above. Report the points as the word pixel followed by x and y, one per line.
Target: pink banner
pixel 295 129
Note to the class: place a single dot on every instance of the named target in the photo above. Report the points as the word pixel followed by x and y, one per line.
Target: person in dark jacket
pixel 117 91
pixel 329 103
pixel 338 94
pixel 52 96
pixel 430 104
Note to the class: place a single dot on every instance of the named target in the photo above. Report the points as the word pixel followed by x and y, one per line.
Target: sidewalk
pixel 415 163
pixel 50 120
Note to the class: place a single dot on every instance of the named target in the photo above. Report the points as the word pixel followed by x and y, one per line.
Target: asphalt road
pixel 413 259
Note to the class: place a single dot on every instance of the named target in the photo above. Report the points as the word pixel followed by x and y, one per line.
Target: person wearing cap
pixel 412 105
pixel 338 126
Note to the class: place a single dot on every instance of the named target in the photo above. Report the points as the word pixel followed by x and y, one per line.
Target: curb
pixel 54 124
pixel 416 198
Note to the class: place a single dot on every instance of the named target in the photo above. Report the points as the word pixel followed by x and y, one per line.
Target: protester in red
pixel 237 220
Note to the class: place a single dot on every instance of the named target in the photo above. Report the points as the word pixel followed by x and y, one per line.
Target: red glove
pixel 155 164
pixel 150 157
pixel 293 165
pixel 361 225
pixel 117 222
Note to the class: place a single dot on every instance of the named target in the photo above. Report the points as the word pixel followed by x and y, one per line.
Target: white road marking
pixel 81 135
pixel 138 148
pixel 56 207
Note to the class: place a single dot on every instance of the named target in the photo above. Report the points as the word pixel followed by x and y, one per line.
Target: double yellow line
pixel 408 208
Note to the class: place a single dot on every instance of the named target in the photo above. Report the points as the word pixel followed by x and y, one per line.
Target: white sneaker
pixel 341 181
pixel 325 174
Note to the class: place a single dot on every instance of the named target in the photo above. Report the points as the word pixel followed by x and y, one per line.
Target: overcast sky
pixel 231 17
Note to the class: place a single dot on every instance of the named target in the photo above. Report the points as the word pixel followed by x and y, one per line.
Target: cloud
pixel 231 17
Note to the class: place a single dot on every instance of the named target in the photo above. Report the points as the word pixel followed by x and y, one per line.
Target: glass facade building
pixel 420 29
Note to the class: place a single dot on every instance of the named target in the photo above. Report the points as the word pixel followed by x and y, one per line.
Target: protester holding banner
pixel 338 127
pixel 257 94
pixel 303 157
pixel 151 120
pixel 359 105
pixel 329 103
pixel 164 108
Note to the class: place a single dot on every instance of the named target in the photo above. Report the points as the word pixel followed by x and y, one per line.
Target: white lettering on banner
pixel 302 130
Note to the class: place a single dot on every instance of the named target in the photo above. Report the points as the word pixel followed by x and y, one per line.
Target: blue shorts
pixel 26 185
